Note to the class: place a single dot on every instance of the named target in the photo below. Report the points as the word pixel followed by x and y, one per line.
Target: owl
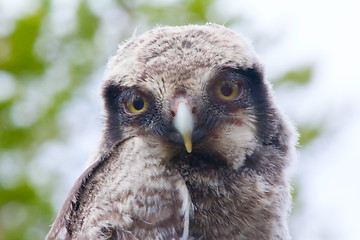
pixel 193 146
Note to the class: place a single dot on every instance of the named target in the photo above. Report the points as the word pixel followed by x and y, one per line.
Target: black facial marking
pixel 267 120
pixel 111 94
pixel 270 128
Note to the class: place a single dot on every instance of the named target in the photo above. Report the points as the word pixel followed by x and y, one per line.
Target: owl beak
pixel 184 123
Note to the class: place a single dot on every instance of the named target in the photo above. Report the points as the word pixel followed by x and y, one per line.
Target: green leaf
pixel 22 59
pixel 297 77
pixel 25 214
pixel 88 22
pixel 308 134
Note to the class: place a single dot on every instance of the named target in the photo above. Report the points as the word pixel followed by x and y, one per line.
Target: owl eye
pixel 136 104
pixel 228 90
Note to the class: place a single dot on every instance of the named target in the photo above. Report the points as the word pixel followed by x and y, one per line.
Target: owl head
pixel 194 90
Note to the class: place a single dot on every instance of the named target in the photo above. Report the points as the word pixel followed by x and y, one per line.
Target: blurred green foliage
pixel 308 134
pixel 28 54
pixel 22 60
pixel 296 77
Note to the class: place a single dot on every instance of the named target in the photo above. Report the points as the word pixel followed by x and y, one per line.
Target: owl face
pixel 188 92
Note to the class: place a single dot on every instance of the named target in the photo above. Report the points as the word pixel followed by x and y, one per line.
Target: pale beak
pixel 184 123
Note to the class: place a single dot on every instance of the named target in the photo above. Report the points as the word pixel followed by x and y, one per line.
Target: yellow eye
pixel 228 90
pixel 136 104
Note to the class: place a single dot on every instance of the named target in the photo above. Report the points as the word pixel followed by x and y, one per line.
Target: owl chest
pixel 214 216
pixel 228 211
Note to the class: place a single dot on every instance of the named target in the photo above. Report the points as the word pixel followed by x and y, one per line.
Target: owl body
pixel 193 147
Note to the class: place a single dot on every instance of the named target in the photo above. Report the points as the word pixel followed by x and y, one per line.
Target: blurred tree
pixel 45 57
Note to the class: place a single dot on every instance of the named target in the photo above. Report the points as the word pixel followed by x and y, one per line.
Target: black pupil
pixel 226 89
pixel 138 103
